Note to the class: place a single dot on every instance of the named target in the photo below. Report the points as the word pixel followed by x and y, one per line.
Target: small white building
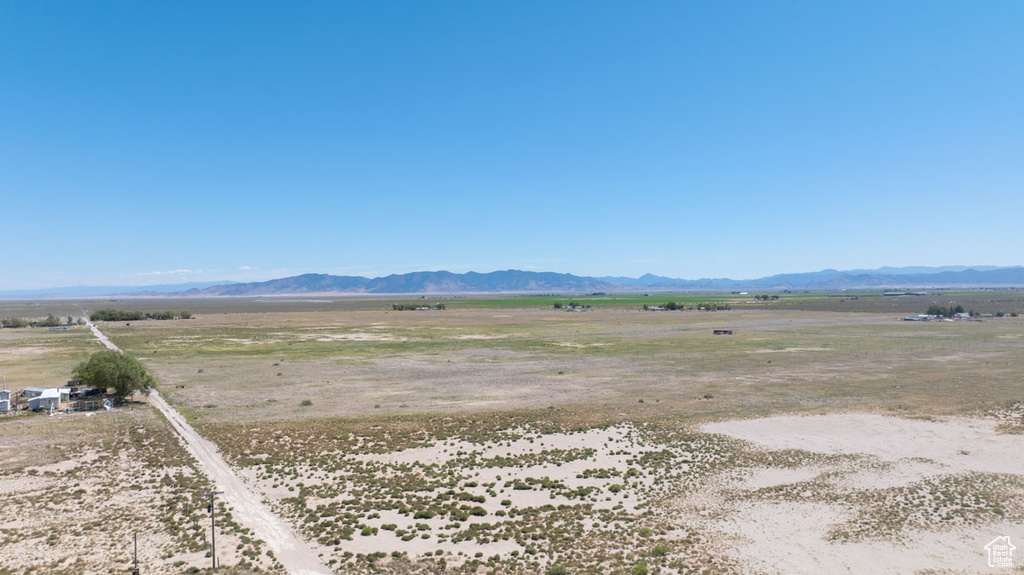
pixel 51 399
pixel 5 400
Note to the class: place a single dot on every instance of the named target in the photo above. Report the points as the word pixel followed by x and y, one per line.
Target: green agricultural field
pixel 593 300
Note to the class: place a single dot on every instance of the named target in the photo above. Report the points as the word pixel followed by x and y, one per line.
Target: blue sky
pixel 185 141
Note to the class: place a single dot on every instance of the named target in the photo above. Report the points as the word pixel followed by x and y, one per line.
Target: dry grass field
pixel 261 366
pixel 33 357
pixel 494 437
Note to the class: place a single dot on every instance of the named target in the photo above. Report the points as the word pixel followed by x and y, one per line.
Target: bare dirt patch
pixel 905 495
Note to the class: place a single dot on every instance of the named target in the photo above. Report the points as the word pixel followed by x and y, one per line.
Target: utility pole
pixel 135 536
pixel 213 528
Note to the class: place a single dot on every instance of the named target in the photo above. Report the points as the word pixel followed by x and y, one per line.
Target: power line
pixel 213 526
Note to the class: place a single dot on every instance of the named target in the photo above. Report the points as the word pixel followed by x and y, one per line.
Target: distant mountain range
pixel 516 281
pixel 415 282
pixel 88 291
pixel 830 279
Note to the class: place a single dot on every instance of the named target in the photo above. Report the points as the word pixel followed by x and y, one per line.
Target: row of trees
pixel 121 315
pixel 14 322
pixel 943 311
pixel 412 306
pixel 703 306
pixel 50 321
pixel 766 297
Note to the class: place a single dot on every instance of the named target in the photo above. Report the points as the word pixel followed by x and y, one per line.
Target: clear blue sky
pixel 162 142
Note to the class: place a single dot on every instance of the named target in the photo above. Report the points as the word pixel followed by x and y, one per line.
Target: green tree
pixel 112 370
pixel 50 321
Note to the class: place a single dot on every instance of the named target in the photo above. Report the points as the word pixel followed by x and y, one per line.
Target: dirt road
pixel 247 508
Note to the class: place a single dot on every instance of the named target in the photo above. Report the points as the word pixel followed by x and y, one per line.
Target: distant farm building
pixel 5 400
pixel 723 332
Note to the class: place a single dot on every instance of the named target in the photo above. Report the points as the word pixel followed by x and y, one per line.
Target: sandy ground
pixel 841 493
pixel 75 490
pixel 790 536
pixel 776 508
pixel 610 448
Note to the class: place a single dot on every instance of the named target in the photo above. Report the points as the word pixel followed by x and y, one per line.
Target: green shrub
pixel 661 550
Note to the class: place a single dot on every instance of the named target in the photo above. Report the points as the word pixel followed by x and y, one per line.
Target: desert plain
pixel 502 435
